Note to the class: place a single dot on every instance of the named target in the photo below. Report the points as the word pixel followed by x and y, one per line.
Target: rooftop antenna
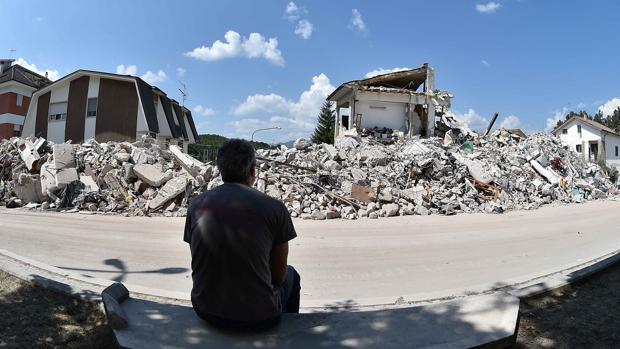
pixel 183 93
pixel 12 50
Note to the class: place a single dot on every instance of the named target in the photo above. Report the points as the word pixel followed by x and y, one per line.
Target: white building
pixel 404 101
pixel 107 107
pixel 590 139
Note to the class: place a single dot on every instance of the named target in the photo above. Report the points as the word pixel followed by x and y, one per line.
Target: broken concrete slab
pixel 28 188
pixel 153 175
pixel 65 176
pixel 64 156
pixel 191 165
pixel 169 191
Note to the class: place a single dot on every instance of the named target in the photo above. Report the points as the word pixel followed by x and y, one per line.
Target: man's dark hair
pixel 235 159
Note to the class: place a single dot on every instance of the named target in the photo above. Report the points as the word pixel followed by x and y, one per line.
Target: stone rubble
pixel 371 176
pixel 461 172
pixel 140 178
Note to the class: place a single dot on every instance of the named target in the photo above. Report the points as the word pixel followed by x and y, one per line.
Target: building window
pixel 578 148
pixel 17 131
pixel 91 108
pixel 58 111
pixel 564 131
pixel 616 151
pixel 19 100
pixel 579 129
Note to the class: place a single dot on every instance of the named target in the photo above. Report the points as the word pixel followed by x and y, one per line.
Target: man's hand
pixel 278 263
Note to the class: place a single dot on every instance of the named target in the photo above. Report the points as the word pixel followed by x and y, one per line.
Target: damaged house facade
pixel 107 107
pixel 591 140
pixel 16 87
pixel 404 101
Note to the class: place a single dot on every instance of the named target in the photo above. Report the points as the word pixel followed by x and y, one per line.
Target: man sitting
pixel 238 239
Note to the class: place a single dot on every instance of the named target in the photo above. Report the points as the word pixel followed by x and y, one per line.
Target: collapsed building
pixel 406 102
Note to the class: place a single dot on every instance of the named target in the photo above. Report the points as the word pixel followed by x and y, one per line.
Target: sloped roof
pixel 400 81
pixel 27 77
pixel 589 122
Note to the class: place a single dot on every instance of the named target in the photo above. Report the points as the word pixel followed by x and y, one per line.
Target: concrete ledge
pixel 486 321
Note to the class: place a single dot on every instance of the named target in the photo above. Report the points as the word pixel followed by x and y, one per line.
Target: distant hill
pixel 289 144
pixel 207 144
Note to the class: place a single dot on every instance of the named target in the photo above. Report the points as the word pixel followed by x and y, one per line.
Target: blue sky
pixel 530 60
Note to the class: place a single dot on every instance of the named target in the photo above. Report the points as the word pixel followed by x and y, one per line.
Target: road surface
pixel 342 263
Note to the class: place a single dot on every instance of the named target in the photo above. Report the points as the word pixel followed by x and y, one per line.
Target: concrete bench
pixel 486 321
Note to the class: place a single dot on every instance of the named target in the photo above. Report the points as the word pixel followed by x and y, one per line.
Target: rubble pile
pixel 463 172
pixel 460 171
pixel 140 178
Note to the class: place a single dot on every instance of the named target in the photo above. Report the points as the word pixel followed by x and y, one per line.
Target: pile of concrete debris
pixel 138 178
pixel 358 177
pixel 463 172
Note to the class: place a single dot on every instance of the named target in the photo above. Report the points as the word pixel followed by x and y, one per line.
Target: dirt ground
pixel 586 315
pixel 34 317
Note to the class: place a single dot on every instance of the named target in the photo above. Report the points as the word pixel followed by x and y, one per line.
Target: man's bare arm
pixel 278 263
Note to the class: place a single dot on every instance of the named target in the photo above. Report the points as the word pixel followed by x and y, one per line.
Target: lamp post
pixel 265 129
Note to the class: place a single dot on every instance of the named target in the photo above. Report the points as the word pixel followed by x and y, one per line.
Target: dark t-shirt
pixel 231 230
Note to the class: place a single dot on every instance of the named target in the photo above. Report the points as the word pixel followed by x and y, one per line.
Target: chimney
pixel 5 64
pixel 46 75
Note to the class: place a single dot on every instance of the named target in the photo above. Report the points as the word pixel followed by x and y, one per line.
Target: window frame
pixel 88 111
pixel 579 148
pixel 616 151
pixel 58 116
pixel 19 100
pixel 564 131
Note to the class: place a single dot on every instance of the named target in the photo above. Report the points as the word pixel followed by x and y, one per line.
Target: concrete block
pixel 152 175
pixel 169 191
pixel 191 165
pixel 48 178
pixel 64 156
pixel 89 183
pixel 30 156
pixel 28 188
pixel 65 176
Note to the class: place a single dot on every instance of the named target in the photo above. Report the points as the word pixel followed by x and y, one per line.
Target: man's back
pixel 231 230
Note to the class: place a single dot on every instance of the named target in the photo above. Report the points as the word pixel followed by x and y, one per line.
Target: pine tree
pixel 324 131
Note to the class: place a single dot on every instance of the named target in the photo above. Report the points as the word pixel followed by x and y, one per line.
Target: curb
pixel 90 288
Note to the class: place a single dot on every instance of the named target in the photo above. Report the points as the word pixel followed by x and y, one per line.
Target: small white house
pixel 404 101
pixel 592 140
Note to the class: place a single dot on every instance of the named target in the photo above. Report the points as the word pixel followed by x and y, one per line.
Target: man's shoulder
pixel 253 195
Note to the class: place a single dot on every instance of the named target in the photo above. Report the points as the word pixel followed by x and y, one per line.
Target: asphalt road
pixel 341 262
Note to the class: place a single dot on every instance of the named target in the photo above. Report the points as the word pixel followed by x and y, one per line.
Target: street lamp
pixel 265 129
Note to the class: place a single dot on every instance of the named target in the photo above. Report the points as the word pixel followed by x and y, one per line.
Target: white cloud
pixel 154 78
pixel 356 22
pixel 292 11
pixel 126 70
pixel 204 111
pixel 609 107
pixel 304 28
pixel 52 74
pixel 296 117
pixel 254 46
pixel 553 120
pixel 181 72
pixel 381 71
pixel 484 61
pixel 511 121
pixel 472 119
pixel 489 7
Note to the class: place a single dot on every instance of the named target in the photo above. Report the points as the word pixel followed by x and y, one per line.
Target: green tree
pixel 324 131
pixel 613 120
pixel 598 117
